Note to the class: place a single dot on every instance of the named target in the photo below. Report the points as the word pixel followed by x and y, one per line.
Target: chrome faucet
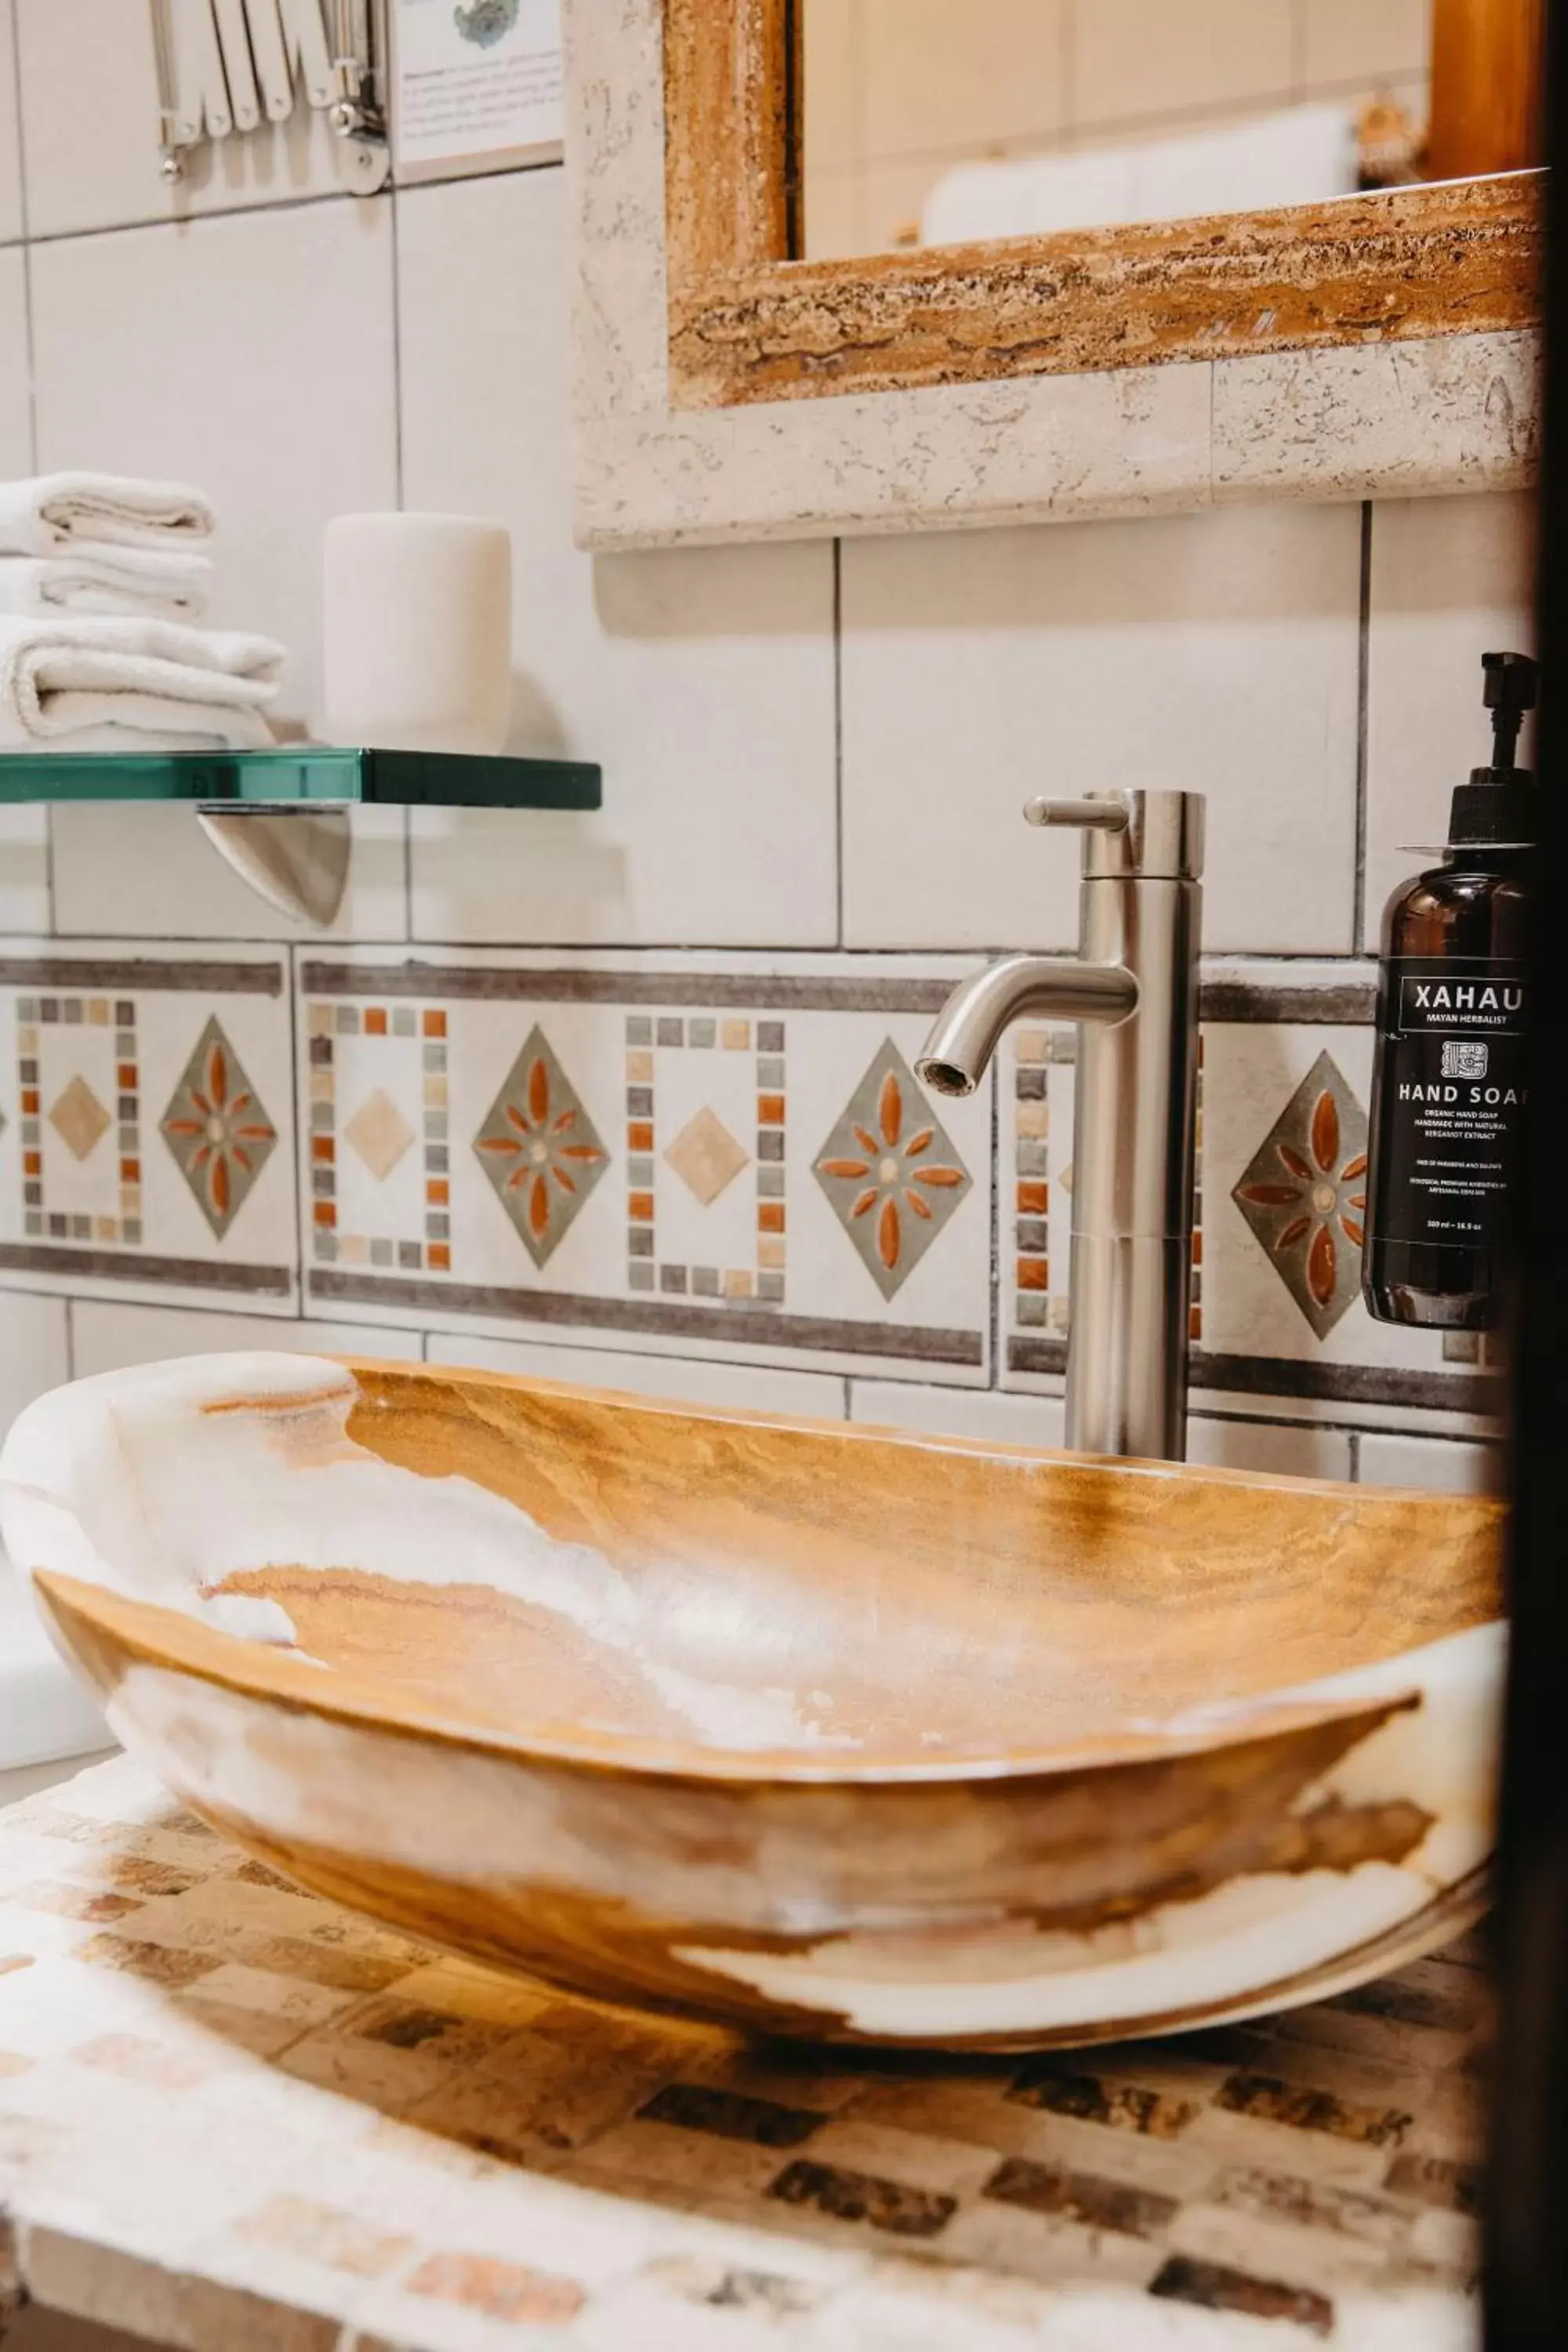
pixel 1133 988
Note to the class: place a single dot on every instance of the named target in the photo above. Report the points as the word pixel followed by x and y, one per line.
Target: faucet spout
pixel 969 1027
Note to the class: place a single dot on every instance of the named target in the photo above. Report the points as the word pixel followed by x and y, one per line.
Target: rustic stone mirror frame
pixel 1381 345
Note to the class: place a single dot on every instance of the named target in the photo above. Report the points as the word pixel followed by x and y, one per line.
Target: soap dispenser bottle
pixel 1448 1082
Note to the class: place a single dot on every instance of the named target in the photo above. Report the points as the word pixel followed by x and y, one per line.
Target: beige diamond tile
pixel 706 1157
pixel 379 1133
pixel 79 1119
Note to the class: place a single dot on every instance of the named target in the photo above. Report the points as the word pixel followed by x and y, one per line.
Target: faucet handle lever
pixel 1132 835
pixel 1088 817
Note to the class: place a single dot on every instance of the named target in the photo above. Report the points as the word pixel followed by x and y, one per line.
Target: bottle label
pixel 1451 1099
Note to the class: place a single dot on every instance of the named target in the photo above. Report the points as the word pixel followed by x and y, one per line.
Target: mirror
pixel 931 122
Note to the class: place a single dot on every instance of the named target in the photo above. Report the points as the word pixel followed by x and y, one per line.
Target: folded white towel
pixel 140 581
pixel 99 509
pixel 127 686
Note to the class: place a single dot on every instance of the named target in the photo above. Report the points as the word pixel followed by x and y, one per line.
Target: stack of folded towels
pixel 101 581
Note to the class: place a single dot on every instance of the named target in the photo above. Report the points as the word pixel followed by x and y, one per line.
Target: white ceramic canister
pixel 417 633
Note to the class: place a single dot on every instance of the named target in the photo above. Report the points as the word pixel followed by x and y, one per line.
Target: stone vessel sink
pixel 813 1729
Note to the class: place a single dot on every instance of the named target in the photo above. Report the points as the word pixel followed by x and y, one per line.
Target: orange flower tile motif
pixel 218 1129
pixel 1304 1195
pixel 890 1171
pixel 540 1149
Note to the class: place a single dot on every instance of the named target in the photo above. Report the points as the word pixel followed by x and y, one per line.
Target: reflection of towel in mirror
pixel 144 582
pixel 130 686
pixel 1303 155
pixel 56 510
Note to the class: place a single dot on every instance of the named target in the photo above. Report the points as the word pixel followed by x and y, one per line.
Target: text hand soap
pixel 1448 1103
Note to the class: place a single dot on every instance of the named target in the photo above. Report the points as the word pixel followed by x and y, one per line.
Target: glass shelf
pixel 309 774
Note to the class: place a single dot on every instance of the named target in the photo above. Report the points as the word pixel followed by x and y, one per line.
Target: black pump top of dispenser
pixel 1497 807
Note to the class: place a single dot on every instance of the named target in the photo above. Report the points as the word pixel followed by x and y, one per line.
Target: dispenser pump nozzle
pixel 1512 687
pixel 1497 808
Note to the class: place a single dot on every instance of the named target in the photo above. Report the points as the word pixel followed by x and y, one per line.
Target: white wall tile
pixel 1276 1448
pixel 1129 58
pixel 742 1388
pixel 24 832
pixel 1039 1421
pixel 34 1352
pixel 833 216
pixel 1347 40
pixel 253 355
pixel 151 873
pixel 1438 1465
pixel 937 76
pixel 832 38
pixel 1452 579
pixel 1215 652
pixel 1036 1422
pixel 12 214
pixel 701 679
pixel 91 105
pixel 16 369
pixel 109 1337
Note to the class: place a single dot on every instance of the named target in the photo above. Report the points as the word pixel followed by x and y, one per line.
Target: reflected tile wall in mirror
pixel 938 122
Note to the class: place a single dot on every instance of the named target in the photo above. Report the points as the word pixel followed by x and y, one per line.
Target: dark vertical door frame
pixel 1527 2197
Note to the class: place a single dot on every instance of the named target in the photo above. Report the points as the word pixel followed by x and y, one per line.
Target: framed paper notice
pixel 475 78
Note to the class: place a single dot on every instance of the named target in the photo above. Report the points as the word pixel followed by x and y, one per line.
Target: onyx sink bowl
pixel 807 1729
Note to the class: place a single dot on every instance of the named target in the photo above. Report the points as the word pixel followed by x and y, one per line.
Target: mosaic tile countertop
pixel 235 2117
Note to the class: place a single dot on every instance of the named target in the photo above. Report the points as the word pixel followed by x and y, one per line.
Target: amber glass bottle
pixel 1448 1105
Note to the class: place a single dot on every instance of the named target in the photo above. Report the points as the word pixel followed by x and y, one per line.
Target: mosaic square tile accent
pixel 890 1170
pixel 218 1129
pixel 379 1143
pixel 540 1149
pixel 78 1091
pixel 1303 1194
pixel 738 1122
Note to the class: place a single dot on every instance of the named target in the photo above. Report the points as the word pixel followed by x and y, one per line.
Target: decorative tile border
pixel 766 990
pixel 753 1329
pixel 143 1098
pixel 662 1154
pixel 715 1156
pixel 1286 1058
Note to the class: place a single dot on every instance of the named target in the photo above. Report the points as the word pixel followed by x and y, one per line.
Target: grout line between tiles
pixel 348 948
pixel 1364 680
pixel 25 241
pixel 70 1306
pixel 314 196
pixel 397 365
pixel 996 1179
pixel 838 741
pixel 300 1122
